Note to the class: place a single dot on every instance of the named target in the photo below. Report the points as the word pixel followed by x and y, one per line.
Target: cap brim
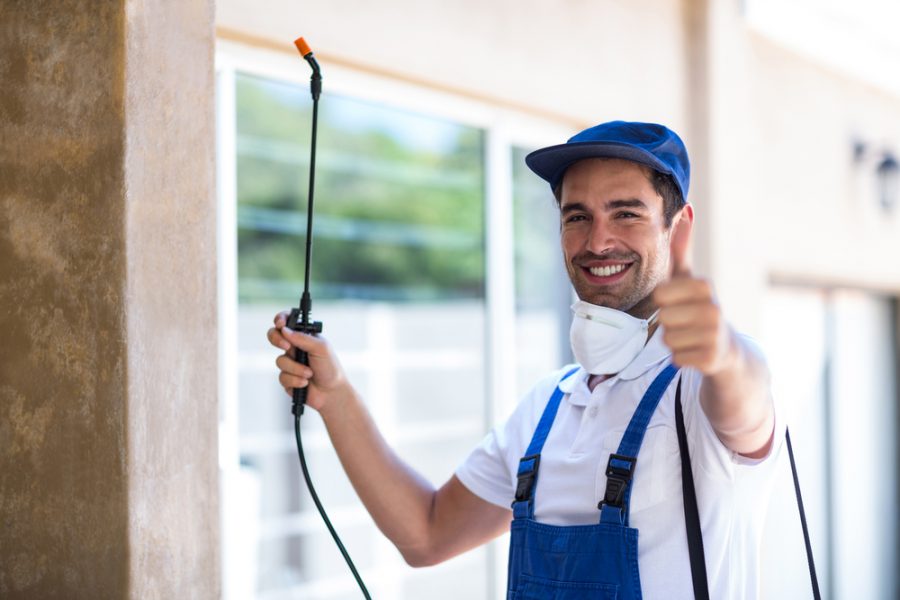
pixel 550 163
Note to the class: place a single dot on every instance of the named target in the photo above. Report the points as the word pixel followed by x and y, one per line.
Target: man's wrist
pixel 338 400
pixel 732 358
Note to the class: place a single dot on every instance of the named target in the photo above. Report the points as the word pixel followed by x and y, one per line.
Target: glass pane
pixel 398 196
pixel 397 279
pixel 543 291
pixel 864 446
pixel 795 342
pixel 833 376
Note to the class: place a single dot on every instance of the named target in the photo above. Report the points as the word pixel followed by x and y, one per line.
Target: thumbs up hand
pixel 695 329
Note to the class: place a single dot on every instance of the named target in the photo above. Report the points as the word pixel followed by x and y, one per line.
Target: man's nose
pixel 600 237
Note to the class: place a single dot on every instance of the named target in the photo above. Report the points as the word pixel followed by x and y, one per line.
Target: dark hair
pixel 663 184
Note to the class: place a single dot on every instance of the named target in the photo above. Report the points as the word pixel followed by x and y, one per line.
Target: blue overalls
pixel 550 562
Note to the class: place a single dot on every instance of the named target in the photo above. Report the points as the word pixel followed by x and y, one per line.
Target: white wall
pixel 788 202
pixel 584 61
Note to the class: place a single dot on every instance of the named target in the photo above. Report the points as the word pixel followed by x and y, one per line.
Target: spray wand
pixel 299 319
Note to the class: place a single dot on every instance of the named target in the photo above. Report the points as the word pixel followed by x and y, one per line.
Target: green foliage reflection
pixel 399 200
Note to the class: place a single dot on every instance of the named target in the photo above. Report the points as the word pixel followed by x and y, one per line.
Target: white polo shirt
pixel 732 491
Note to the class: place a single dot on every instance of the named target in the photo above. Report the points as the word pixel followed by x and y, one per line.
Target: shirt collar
pixel 654 352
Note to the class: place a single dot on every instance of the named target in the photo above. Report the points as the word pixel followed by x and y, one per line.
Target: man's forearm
pixel 399 499
pixel 427 526
pixel 737 401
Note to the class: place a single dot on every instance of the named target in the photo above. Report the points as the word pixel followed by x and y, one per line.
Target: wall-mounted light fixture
pixel 887 173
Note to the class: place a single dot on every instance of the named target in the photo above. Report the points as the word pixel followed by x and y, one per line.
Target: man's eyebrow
pixel 573 207
pixel 628 203
pixel 609 206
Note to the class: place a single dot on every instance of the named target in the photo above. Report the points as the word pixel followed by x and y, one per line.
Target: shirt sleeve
pixel 489 471
pixel 486 472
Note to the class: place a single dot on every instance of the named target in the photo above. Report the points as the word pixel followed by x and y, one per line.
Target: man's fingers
pixel 303 341
pixel 289 381
pixel 680 244
pixel 278 340
pixel 281 318
pixel 699 358
pixel 698 316
pixel 288 365
pixel 683 290
pixel 689 338
pixel 274 333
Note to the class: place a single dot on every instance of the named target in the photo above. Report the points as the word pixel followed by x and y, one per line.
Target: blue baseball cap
pixel 650 144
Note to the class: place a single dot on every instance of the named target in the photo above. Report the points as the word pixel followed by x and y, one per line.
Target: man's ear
pixel 685 212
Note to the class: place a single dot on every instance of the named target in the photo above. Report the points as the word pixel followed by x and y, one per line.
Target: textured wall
pixel 171 292
pixel 107 363
pixel 63 484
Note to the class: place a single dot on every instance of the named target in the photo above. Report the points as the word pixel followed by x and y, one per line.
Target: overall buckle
pixel 619 472
pixel 526 477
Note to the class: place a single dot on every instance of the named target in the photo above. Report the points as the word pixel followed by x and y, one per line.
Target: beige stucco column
pixel 108 471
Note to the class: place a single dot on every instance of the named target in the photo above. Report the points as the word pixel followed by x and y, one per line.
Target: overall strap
pixel 523 505
pixel 621 465
pixel 691 514
pixel 813 580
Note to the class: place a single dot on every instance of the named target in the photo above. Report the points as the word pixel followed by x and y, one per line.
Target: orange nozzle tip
pixel 302 46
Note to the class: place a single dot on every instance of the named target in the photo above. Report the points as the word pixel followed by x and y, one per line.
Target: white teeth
pixel 606 271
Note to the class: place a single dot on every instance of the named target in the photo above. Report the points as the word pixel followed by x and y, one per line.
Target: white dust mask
pixel 605 340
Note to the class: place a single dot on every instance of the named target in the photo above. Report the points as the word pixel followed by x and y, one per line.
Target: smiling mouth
pixel 607 271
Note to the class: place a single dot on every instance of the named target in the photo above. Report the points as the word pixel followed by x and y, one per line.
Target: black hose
pixel 315 497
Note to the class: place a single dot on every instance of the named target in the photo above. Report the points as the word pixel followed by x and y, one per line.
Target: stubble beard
pixel 636 300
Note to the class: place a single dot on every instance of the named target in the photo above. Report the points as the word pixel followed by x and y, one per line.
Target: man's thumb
pixel 680 247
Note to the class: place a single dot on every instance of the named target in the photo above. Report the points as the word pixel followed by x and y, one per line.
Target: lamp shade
pixel 888 173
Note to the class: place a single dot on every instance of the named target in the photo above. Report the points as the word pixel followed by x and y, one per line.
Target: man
pixel 604 432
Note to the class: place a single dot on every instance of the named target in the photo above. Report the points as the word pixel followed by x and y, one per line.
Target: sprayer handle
pixel 296 322
pixel 302 357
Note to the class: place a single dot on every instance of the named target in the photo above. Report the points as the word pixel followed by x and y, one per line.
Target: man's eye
pixel 627 215
pixel 575 218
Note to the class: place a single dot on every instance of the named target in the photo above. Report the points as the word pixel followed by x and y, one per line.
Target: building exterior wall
pixel 108 404
pixel 789 203
pixel 580 61
pixel 170 300
pixel 63 366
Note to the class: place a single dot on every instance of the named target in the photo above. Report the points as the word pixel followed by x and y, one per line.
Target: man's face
pixel 613 232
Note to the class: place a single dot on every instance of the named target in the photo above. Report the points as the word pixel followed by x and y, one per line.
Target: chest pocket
pixel 657 475
pixel 534 588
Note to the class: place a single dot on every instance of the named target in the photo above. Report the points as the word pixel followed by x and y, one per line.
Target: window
pixel 405 190
pixel 399 216
pixel 543 291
